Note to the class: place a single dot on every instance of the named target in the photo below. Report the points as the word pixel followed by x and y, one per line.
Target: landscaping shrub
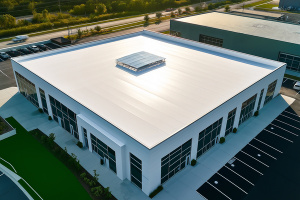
pixel 79 144
pixel 49 118
pixel 222 140
pixel 40 110
pixel 193 162
pixel 234 130
pixel 156 191
pixel 256 113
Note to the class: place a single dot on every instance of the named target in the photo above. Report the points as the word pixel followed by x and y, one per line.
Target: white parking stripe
pixel 284 80
pixel 1 174
pixel 3 73
pixel 290 118
pixel 291 113
pixel 239 175
pixel 262 151
pixel 279 136
pixel 232 183
pixel 268 145
pixel 297 93
pixel 218 190
pixel 255 159
pixel 287 124
pixel 285 130
pixel 202 195
pixel 249 166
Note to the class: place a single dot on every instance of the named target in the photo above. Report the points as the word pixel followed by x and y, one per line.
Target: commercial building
pixel 147 103
pixel 289 4
pixel 265 38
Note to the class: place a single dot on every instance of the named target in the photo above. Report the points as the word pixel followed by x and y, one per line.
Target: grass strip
pixel 39 167
pixel 292 77
pixel 256 3
pixel 28 189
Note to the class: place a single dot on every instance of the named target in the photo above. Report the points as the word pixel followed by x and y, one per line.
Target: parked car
pixel 4 56
pixel 14 53
pixel 20 38
pixel 25 51
pixel 34 49
pixel 297 85
pixel 43 47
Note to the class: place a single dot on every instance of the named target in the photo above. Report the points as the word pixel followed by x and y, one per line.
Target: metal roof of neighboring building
pixel 252 26
pixel 154 105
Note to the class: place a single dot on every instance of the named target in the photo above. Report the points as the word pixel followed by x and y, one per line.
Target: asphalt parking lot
pixel 240 175
pixel 287 88
pixel 9 190
pixel 7 78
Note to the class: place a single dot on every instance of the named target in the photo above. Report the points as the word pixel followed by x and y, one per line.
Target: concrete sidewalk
pixel 181 186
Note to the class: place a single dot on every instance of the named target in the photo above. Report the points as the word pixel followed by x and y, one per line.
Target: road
pixel 103 24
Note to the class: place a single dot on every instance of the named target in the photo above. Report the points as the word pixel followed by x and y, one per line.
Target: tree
pixel 79 33
pixel 158 15
pixel 107 193
pixel 31 6
pixel 97 28
pixel 179 11
pixel 7 21
pixel 187 9
pixel 146 18
pixel 78 9
pixel 210 6
pixel 172 14
pixel 101 8
pixel 227 8
pixel 97 191
pixel 45 14
pixel 96 176
pixel 198 9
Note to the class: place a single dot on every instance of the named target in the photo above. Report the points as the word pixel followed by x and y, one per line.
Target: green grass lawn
pixel 256 3
pixel 28 189
pixel 292 77
pixel 44 172
pixel 268 6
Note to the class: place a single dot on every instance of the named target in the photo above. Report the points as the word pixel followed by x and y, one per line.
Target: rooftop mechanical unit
pixel 140 61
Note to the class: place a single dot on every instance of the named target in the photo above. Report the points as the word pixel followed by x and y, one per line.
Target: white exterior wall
pixel 122 144
pixel 193 130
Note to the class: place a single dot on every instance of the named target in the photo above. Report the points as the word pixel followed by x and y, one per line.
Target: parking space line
pixel 249 166
pixel 290 118
pixel 2 174
pixel 239 175
pixel 3 73
pixel 262 151
pixel 231 182
pixel 268 145
pixel 284 80
pixel 297 93
pixel 218 190
pixel 291 113
pixel 201 195
pixel 255 158
pixel 287 124
pixel 279 136
pixel 285 130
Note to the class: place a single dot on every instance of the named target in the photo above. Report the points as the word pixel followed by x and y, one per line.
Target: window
pixel 175 161
pixel 211 40
pixel 27 89
pixel 230 121
pixel 44 102
pixel 136 170
pixel 207 137
pixel 292 61
pixel 105 152
pixel 85 137
pixel 270 92
pixel 260 98
pixel 247 109
pixel 67 121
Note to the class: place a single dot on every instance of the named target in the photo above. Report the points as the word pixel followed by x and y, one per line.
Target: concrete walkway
pixel 181 186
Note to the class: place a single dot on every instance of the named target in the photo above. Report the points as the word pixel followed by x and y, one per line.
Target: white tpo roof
pixel 155 104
